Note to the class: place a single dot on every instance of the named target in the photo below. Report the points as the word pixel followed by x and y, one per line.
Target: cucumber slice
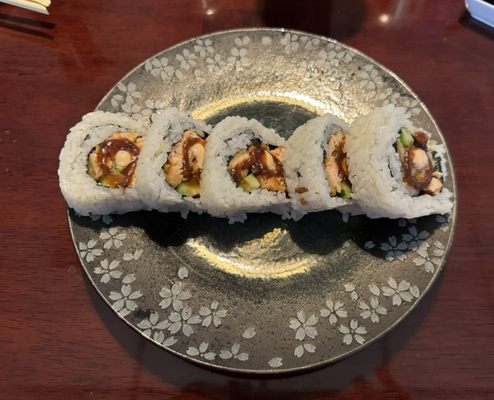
pixel 188 189
pixel 406 137
pixel 346 190
pixel 250 183
pixel 115 168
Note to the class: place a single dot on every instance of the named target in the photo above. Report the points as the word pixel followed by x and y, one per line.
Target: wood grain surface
pixel 57 338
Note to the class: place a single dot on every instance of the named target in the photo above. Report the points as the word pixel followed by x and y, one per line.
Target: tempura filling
pixel 336 167
pixel 258 167
pixel 185 163
pixel 421 170
pixel 112 163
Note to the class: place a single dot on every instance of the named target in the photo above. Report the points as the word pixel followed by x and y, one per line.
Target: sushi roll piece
pixel 243 171
pixel 316 166
pixel 397 170
pixel 168 178
pixel 98 163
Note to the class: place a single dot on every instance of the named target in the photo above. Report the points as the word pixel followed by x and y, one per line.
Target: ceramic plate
pixel 267 295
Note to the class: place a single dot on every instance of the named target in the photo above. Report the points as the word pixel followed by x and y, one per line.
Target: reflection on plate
pixel 267 295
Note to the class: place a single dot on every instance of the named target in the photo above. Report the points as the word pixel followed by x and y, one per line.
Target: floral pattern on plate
pixel 348 279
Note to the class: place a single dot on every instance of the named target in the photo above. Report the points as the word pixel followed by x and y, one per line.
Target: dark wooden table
pixel 57 338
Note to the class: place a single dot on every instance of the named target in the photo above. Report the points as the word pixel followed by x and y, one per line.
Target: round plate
pixel 267 295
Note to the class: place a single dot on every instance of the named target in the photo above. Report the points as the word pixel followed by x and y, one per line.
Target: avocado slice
pixel 406 137
pixel 188 189
pixel 249 183
pixel 401 150
pixel 106 182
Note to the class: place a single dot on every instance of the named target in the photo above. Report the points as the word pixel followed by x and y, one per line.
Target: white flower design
pixel 238 56
pixel 215 63
pixel 350 288
pixel 234 353
pixel 124 302
pixel 89 251
pixel 369 245
pixel 394 249
pixel 116 100
pixel 112 237
pixel 132 256
pixel 127 94
pixel 108 270
pixel 160 67
pixel 414 237
pixel 404 101
pixel 266 41
pixel 309 43
pixel 183 273
pixel 202 351
pixel 304 326
pixel 353 332
pixel 290 42
pixel 147 113
pixel 275 362
pixel 374 289
pixel 174 296
pixel 443 220
pixel 187 60
pixel 133 110
pixel 154 329
pixel 372 310
pixel 300 350
pixel 333 311
pixel 402 222
pixel 429 262
pixel 107 219
pixel 410 103
pixel 183 320
pixel 199 76
pixel 212 314
pixel 128 279
pixel 341 53
pixel 321 65
pixel 153 108
pixel 204 47
pixel 249 333
pixel 309 69
pixel 328 62
pixel 370 81
pixel 400 292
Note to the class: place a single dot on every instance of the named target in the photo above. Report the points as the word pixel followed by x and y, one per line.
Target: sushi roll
pixel 396 169
pixel 98 163
pixel 316 166
pixel 243 171
pixel 168 178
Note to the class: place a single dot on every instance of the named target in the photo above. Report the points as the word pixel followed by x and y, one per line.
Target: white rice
pixel 220 195
pixel 80 190
pixel 304 167
pixel 375 168
pixel 166 130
